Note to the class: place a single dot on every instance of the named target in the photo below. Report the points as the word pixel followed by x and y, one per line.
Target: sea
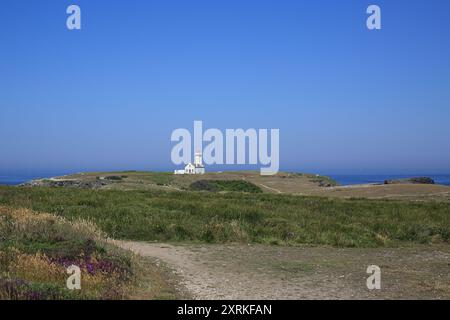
pixel 16 178
pixel 352 179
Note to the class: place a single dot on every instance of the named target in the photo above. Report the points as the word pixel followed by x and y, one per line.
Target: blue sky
pixel 346 99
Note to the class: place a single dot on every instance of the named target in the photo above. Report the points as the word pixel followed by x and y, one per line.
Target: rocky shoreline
pixel 65 184
pixel 416 180
pixel 97 183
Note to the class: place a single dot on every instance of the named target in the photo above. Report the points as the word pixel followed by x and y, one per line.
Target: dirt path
pixel 272 189
pixel 269 272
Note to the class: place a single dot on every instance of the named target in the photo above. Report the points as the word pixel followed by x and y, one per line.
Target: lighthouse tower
pixel 198 163
pixel 198 159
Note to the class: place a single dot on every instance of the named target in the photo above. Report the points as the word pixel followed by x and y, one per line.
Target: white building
pixel 196 168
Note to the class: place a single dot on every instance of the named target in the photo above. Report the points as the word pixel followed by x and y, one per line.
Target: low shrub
pixel 225 185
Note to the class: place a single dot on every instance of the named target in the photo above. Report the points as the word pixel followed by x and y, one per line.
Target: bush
pixel 225 185
pixel 115 178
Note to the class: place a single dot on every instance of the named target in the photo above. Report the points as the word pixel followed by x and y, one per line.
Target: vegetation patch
pixel 161 178
pixel 225 185
pixel 115 178
pixel 36 250
pixel 323 181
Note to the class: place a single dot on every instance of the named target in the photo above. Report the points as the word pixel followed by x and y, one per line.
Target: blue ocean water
pixel 16 178
pixel 9 178
pixel 364 179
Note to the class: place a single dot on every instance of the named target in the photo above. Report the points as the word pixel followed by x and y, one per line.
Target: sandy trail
pixel 270 272
pixel 270 188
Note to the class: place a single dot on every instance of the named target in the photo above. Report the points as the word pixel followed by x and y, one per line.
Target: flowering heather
pixel 36 249
pixel 92 264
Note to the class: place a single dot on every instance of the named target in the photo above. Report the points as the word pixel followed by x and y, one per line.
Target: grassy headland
pixel 281 183
pixel 156 215
pixel 83 210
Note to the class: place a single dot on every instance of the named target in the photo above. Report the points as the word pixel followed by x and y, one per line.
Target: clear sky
pixel 346 99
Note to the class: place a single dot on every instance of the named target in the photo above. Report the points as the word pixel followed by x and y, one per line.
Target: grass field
pixel 171 216
pixel 205 217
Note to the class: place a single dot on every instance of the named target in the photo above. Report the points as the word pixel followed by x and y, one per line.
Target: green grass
pixel 242 217
pixel 160 178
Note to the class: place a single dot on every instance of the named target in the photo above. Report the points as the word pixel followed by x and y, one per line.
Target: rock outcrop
pixel 94 184
pixel 417 180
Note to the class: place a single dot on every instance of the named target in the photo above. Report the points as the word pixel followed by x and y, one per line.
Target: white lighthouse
pixel 198 163
pixel 196 168
pixel 198 159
